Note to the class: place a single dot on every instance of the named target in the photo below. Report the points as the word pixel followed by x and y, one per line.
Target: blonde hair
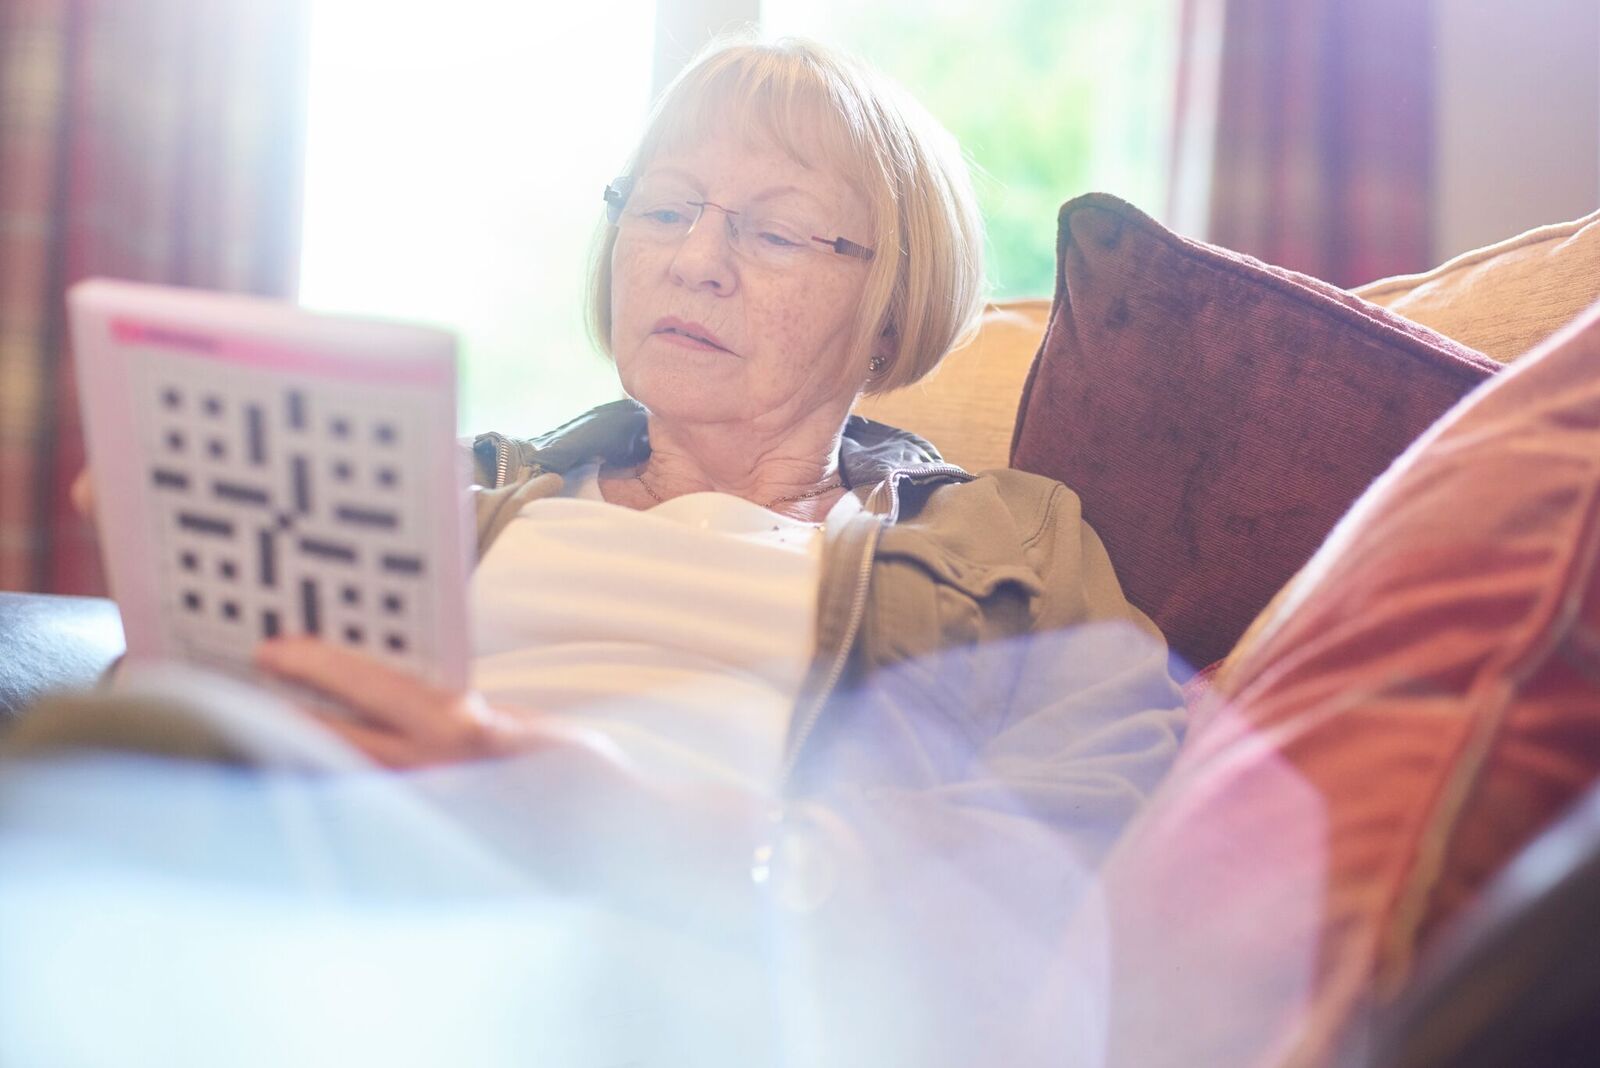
pixel 924 287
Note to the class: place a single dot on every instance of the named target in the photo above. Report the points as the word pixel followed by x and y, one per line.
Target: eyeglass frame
pixel 620 189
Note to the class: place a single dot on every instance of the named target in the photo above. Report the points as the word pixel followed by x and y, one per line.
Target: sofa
pixel 1377 801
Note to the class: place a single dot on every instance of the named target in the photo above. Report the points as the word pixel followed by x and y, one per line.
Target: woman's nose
pixel 705 258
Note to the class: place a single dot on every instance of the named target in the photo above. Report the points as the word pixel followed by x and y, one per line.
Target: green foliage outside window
pixel 1049 98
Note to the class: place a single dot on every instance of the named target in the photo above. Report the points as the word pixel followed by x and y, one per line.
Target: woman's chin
pixel 683 394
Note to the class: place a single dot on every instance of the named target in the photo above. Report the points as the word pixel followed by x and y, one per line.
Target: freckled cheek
pixel 783 324
pixel 802 318
pixel 628 304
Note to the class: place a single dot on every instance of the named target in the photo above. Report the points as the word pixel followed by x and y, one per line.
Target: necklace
pixel 806 496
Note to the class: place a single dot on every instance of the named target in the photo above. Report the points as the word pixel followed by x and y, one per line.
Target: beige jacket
pixel 976 661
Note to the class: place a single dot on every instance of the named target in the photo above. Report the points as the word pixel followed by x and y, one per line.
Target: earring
pixel 877 364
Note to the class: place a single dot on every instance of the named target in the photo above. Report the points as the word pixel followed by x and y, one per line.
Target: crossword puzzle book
pixel 263 470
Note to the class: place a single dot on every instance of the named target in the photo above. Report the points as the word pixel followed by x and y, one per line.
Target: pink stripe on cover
pixel 274 357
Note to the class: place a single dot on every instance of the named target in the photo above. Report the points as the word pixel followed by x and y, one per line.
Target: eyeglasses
pixel 764 235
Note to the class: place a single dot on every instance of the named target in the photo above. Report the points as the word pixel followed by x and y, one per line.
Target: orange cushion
pixel 1507 297
pixel 1418 704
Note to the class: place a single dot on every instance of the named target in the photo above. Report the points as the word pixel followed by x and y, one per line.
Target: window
pixel 456 154
pixel 453 154
pixel 1050 98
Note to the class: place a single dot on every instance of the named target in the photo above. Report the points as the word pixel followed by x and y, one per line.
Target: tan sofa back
pixel 968 407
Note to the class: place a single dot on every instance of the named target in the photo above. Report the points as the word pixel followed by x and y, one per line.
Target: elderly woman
pixel 717 569
pixel 726 629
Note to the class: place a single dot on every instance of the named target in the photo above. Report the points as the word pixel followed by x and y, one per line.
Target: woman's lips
pixel 689 335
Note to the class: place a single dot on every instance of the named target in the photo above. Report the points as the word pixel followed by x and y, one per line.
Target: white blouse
pixel 682 632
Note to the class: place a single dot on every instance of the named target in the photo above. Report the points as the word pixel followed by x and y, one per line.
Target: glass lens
pixel 772 238
pixel 658 215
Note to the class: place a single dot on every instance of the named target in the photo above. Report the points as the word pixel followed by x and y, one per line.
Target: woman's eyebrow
pixel 770 193
pixel 655 173
pixel 780 191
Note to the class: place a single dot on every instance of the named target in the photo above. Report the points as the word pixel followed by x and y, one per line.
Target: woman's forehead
pixel 753 165
pixel 721 161
pixel 799 123
pixel 763 120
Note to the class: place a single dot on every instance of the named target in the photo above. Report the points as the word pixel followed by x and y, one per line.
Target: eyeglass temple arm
pixel 845 247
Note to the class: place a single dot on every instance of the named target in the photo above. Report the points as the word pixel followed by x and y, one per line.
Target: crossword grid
pixel 278 510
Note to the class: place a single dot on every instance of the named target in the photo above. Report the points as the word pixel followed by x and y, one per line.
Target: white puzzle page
pixel 262 470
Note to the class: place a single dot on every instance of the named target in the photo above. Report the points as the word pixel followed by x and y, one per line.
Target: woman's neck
pixel 740 460
pixel 795 472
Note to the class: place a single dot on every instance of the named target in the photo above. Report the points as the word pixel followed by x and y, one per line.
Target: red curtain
pixel 1305 133
pixel 157 140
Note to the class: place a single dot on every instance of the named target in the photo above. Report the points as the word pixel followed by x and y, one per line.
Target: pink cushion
pixel 1216 415
pixel 1423 699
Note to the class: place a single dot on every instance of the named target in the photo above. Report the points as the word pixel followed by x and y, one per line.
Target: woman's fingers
pixel 383 695
pixel 423 723
pixel 384 746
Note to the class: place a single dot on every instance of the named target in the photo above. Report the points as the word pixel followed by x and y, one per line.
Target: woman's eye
pixel 775 233
pixel 668 216
pixel 777 240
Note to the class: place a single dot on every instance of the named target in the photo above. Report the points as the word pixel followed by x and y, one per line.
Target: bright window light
pixel 455 160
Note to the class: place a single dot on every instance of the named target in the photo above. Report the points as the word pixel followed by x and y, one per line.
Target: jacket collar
pixel 618 434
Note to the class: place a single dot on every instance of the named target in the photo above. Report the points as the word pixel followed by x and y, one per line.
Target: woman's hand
pixel 395 717
pixel 609 826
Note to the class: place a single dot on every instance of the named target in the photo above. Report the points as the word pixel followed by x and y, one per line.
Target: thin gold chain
pixel 806 496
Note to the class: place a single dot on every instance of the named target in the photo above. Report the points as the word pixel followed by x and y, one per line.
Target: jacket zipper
pixel 502 458
pixel 957 473
pixel 858 608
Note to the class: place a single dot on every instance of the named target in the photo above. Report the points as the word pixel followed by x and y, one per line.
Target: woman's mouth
pixel 692 335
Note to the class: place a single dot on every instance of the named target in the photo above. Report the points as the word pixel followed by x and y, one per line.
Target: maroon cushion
pixel 1216 415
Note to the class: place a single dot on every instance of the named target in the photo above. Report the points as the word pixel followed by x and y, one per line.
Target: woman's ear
pixel 883 352
pixel 884 346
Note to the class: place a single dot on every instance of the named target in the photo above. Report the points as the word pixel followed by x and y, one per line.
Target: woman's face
pixel 771 344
